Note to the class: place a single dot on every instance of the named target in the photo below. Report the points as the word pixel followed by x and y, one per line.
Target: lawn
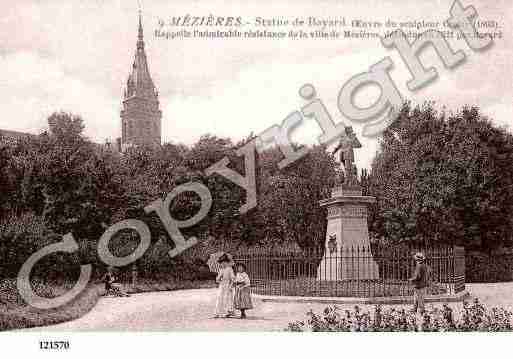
pixel 15 314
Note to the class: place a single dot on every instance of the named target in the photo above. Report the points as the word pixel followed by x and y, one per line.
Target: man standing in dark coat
pixel 420 282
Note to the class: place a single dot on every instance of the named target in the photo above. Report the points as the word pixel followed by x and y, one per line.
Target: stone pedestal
pixel 347 236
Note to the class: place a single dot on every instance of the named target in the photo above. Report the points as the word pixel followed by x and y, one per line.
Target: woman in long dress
pixel 225 278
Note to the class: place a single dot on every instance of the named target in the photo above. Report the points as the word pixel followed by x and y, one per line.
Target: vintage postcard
pixel 255 166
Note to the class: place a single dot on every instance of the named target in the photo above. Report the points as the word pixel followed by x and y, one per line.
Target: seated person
pixel 111 287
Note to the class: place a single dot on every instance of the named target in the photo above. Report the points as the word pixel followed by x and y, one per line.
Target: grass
pixel 15 314
pixel 149 285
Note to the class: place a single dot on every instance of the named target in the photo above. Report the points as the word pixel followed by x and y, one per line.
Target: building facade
pixel 12 137
pixel 141 117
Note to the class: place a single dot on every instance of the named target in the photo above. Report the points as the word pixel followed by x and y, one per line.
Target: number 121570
pixel 53 345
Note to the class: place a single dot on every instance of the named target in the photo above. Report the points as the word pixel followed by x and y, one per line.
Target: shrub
pixel 473 317
pixel 148 285
pixel 19 238
pixel 23 235
pixel 480 267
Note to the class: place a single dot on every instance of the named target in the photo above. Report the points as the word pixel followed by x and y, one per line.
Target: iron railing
pixel 375 271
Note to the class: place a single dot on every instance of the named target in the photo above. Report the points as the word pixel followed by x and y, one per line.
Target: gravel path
pixel 192 310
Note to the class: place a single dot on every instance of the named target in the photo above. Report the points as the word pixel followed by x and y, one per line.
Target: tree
pixel 65 183
pixel 66 128
pixel 60 175
pixel 444 178
pixel 288 205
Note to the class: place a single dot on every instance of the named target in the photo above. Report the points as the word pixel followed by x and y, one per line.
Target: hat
pixel 224 258
pixel 419 256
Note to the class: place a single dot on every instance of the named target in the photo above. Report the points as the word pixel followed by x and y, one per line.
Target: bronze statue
pixel 346 147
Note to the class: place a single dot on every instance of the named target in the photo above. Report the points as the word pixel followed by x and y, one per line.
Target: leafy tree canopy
pixel 443 177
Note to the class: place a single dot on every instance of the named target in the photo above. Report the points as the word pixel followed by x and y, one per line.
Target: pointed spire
pixel 140 26
pixel 139 82
pixel 140 37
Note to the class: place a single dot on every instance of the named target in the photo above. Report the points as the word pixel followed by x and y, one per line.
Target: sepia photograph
pixel 225 167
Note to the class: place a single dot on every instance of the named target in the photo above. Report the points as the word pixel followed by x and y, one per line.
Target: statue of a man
pixel 346 147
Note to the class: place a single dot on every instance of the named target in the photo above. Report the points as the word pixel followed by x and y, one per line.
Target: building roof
pixel 12 137
pixel 139 81
pixel 14 134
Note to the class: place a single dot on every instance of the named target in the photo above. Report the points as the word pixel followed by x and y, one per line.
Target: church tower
pixel 140 116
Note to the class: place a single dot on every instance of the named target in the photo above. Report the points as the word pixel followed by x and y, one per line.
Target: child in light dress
pixel 225 278
pixel 242 298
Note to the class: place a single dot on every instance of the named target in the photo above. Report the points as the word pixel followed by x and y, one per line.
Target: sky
pixel 75 56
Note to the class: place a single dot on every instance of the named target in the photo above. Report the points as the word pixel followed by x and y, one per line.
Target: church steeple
pixel 140 36
pixel 140 116
pixel 140 82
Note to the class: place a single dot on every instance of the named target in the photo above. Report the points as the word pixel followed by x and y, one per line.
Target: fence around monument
pixel 318 272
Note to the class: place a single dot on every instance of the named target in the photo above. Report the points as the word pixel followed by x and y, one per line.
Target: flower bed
pixel 473 317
